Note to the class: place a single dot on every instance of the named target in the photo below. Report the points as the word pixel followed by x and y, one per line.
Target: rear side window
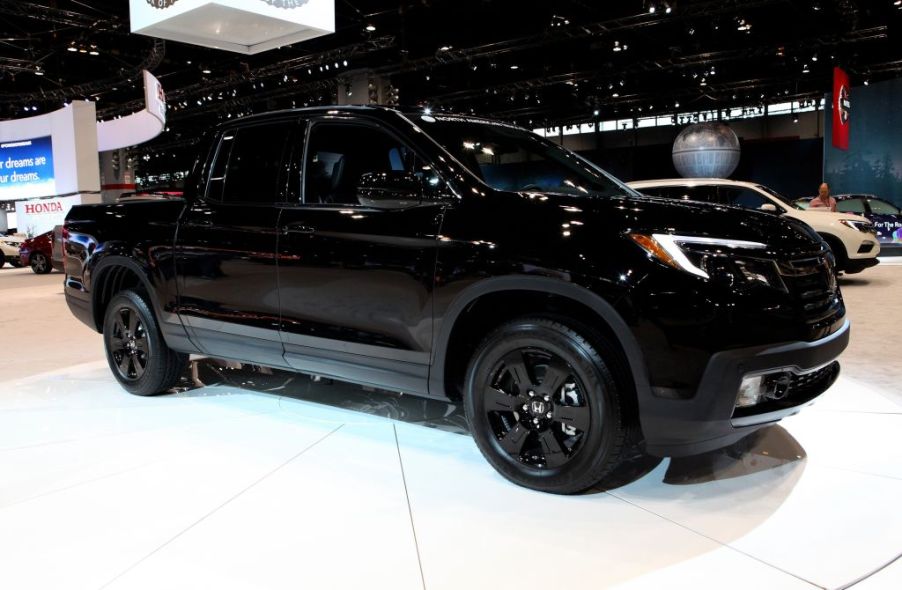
pixel 743 197
pixel 706 194
pixel 882 208
pixel 850 206
pixel 248 166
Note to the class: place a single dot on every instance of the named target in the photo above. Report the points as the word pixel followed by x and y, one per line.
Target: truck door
pixel 356 276
pixel 226 246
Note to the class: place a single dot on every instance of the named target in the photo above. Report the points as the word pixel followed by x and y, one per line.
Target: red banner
pixel 842 108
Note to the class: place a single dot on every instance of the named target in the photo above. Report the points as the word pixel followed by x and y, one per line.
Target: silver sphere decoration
pixel 706 150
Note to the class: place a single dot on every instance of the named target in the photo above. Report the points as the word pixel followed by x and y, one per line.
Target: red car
pixel 39 253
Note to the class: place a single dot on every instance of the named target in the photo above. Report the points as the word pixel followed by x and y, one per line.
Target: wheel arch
pixel 112 275
pixel 837 245
pixel 554 296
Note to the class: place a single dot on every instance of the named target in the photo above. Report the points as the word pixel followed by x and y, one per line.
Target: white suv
pixel 9 250
pixel 852 238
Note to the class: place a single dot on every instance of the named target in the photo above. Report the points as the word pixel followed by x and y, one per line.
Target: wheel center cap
pixel 538 407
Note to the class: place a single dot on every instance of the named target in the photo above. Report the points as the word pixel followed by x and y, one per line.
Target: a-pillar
pixel 117 174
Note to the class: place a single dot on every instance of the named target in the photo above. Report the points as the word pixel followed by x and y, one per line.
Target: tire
pixel 39 264
pixel 562 432
pixel 135 349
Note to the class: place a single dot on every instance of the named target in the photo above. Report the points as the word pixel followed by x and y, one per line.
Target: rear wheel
pixel 135 349
pixel 544 408
pixel 39 264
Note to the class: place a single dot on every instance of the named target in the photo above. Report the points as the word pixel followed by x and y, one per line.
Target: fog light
pixel 751 391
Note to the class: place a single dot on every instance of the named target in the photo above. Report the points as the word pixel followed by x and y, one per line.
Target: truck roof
pixel 381 111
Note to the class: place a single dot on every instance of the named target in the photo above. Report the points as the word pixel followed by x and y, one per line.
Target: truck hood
pixel 623 214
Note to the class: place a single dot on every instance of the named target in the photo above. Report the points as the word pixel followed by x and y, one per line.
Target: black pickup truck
pixel 458 258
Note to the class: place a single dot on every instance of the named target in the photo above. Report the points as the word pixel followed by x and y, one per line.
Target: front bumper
pixel 856 265
pixel 680 427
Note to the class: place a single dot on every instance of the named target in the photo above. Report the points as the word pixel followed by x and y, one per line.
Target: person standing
pixel 823 201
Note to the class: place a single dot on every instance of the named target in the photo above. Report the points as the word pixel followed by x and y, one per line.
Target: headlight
pixel 11 244
pixel 721 260
pixel 862 226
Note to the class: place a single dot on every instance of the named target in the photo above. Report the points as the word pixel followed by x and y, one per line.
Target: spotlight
pixel 370 28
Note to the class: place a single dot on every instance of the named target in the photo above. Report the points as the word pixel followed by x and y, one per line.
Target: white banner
pixel 39 216
pixel 138 127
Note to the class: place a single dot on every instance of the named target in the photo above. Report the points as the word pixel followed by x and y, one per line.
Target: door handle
pixel 297 228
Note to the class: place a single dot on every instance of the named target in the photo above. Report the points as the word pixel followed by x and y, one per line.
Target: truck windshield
pixel 511 159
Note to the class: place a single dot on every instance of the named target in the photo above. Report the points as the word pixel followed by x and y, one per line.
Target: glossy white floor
pixel 315 486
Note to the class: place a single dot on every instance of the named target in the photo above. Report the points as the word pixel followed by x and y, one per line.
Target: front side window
pixel 339 154
pixel 248 166
pixel 512 159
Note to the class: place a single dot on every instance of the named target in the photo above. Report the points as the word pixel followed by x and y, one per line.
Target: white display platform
pixel 223 487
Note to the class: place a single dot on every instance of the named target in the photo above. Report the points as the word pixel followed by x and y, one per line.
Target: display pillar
pixel 366 88
pixel 117 174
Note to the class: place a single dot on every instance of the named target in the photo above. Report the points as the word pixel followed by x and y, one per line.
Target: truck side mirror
pixel 390 190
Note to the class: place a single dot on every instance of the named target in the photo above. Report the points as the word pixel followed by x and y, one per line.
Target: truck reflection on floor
pixel 767 449
pixel 205 372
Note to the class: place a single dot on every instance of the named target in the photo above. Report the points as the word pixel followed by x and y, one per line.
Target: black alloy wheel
pixel 128 344
pixel 136 352
pixel 39 264
pixel 536 407
pixel 543 407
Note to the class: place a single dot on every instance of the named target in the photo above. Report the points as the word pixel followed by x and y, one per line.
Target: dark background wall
pixel 873 163
pixel 789 166
pixel 785 155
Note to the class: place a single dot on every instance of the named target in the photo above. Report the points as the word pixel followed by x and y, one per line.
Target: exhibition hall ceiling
pixel 535 63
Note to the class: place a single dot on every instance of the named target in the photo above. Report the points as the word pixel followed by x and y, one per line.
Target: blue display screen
pixel 26 169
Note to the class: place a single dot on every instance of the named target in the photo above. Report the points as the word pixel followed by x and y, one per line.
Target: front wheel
pixel 39 264
pixel 544 408
pixel 135 349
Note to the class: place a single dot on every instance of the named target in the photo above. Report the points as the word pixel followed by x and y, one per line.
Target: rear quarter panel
pixel 143 233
